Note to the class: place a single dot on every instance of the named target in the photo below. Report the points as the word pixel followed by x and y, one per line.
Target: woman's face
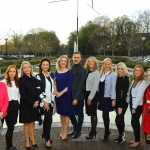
pixel 137 72
pixel 120 70
pixel 91 63
pixel 63 62
pixel 45 66
pixel 27 69
pixel 12 73
pixel 107 65
pixel 148 75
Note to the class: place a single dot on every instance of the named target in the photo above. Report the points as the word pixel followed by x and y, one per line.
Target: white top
pixel 48 92
pixel 13 92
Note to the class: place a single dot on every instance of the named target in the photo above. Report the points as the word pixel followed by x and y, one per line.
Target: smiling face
pixel 27 69
pixel 12 73
pixel 45 66
pixel 63 62
pixel 107 66
pixel 91 63
pixel 137 72
pixel 120 70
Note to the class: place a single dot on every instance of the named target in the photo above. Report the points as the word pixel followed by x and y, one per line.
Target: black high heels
pixel 34 145
pixel 91 134
pixel 48 147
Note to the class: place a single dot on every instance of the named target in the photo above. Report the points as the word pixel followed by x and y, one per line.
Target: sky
pixel 61 17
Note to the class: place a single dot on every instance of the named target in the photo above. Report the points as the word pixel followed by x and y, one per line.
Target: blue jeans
pixel 77 121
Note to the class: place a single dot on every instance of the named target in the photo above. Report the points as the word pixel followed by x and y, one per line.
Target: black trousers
pixel 120 119
pixel 47 123
pixel 10 120
pixel 106 121
pixel 135 122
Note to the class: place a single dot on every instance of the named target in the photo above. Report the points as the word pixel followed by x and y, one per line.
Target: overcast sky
pixel 22 15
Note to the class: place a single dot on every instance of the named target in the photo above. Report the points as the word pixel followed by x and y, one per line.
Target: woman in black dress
pixel 28 102
pixel 91 93
pixel 122 86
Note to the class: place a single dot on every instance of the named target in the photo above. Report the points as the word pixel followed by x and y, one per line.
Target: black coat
pixel 122 86
pixel 28 92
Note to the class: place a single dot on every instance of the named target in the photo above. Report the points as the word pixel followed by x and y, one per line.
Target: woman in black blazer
pixel 45 86
pixel 28 102
pixel 122 86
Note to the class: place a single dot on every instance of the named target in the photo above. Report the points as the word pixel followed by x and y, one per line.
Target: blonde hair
pixel 58 62
pixel 102 69
pixel 141 77
pixel 123 65
pixel 96 66
pixel 147 70
pixel 21 68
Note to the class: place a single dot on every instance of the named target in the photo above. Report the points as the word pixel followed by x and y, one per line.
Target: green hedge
pixel 33 61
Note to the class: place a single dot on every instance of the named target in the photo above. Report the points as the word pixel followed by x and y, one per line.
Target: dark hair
pixel 77 53
pixel 41 61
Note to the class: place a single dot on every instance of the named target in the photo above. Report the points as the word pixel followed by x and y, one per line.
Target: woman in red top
pixel 3 100
pixel 146 113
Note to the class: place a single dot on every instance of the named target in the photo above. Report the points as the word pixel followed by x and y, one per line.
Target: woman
pixel 146 113
pixel 45 86
pixel 107 94
pixel 122 86
pixel 28 102
pixel 63 87
pixel 137 89
pixel 3 102
pixel 12 82
pixel 91 93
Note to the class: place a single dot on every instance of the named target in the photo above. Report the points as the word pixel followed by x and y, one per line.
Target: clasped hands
pixel 36 103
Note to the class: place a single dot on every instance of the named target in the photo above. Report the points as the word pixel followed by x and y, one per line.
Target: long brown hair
pixel 8 81
pixel 141 77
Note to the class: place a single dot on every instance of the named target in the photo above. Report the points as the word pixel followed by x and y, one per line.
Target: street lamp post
pixel 29 50
pixel 142 49
pixel 6 47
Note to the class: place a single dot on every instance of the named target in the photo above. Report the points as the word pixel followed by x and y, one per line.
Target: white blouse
pixel 13 92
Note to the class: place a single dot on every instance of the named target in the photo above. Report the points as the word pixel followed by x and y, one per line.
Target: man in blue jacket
pixel 79 76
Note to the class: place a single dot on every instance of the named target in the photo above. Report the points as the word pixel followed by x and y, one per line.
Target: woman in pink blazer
pixel 3 100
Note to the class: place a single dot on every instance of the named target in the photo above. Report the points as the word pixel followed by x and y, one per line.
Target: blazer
pixel 137 93
pixel 146 115
pixel 41 85
pixel 28 92
pixel 110 86
pixel 79 76
pixel 92 83
pixel 3 98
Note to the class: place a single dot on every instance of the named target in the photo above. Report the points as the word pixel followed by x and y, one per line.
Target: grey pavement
pixel 73 144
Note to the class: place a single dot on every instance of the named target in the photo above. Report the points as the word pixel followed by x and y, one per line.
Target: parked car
pixel 1 59
pixel 12 57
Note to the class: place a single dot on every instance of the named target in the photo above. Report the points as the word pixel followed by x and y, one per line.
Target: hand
pixel 54 92
pixel 1 115
pixel 58 94
pixel 119 111
pixel 75 101
pixel 89 102
pixel 133 111
pixel 113 103
pixel 46 106
pixel 36 103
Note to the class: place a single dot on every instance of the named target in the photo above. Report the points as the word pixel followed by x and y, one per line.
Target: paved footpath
pixel 70 144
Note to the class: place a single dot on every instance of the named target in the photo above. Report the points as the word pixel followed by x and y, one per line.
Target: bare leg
pixel 26 134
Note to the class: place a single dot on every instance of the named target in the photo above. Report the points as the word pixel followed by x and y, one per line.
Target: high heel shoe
pixel 91 134
pixel 34 145
pixel 105 138
pixel 60 135
pixel 27 147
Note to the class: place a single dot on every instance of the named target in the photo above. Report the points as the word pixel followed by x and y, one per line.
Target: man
pixel 79 76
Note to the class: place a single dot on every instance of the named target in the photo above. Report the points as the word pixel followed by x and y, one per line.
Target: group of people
pixel 66 91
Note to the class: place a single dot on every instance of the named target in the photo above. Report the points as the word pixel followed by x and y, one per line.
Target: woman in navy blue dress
pixel 63 88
